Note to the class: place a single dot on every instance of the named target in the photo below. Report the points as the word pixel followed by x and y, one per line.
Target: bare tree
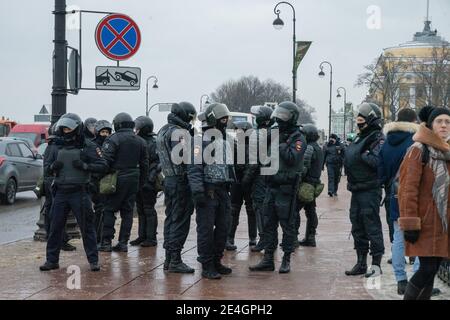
pixel 433 77
pixel 240 95
pixel 384 79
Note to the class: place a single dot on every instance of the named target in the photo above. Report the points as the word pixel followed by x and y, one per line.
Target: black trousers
pixel 179 209
pixel 278 210
pixel 366 223
pixel 424 277
pixel 122 200
pixel 80 204
pixel 334 177
pixel 148 219
pixel 212 225
pixel 238 196
pixel 387 207
pixel 47 207
pixel 311 216
pixel 99 201
pixel 258 196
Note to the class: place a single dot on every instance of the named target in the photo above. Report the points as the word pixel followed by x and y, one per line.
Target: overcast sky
pixel 194 46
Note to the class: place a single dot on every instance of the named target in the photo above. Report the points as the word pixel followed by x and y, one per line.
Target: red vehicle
pixel 38 133
pixel 5 126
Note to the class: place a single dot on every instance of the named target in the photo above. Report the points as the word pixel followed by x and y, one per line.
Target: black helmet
pixel 89 123
pixel 371 112
pixel 71 121
pixel 102 125
pixel 243 125
pixel 184 110
pixel 52 132
pixel 262 115
pixel 311 132
pixel 123 120
pixel 288 112
pixel 144 125
pixel 215 112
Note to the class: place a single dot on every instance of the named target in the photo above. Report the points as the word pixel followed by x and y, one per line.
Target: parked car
pixel 38 133
pixel 20 169
pixel 29 143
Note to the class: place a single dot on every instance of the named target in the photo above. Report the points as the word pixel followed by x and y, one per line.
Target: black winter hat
pixel 425 112
pixel 436 113
pixel 334 136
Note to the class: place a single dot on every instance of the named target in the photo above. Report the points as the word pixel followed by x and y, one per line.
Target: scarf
pixel 438 163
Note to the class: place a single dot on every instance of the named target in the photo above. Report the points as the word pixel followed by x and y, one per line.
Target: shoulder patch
pixel 298 145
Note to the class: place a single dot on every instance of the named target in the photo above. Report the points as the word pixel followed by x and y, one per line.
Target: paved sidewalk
pixel 317 273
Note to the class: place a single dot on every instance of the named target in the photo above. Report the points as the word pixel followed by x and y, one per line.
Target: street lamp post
pixel 279 24
pixel 322 74
pixel 345 106
pixel 155 86
pixel 201 101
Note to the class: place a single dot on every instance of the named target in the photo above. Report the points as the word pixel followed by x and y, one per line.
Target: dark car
pixel 20 169
pixel 129 76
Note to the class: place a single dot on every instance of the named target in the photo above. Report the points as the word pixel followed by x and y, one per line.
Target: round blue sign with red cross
pixel 118 37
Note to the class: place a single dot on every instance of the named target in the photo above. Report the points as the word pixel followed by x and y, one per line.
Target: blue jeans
pixel 398 255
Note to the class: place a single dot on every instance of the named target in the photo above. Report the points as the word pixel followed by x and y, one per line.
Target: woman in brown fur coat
pixel 424 202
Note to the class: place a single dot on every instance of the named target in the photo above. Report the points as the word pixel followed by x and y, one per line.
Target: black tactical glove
pixel 412 236
pixel 56 166
pixel 199 199
pixel 79 164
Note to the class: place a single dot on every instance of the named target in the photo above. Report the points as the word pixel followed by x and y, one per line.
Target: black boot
pixel 149 243
pixel 141 231
pixel 167 261
pixel 266 264
pixel 310 237
pixel 105 246
pixel 48 266
pixel 376 264
pixel 252 242
pixel 285 264
pixel 136 241
pixel 259 246
pixel 221 268
pixel 411 292
pixel 401 287
pixel 360 267
pixel 94 267
pixel 230 246
pixel 176 265
pixel 209 271
pixel 426 293
pixel 68 247
pixel 150 232
pixel 121 246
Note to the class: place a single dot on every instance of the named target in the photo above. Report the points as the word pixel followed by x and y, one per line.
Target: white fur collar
pixel 401 126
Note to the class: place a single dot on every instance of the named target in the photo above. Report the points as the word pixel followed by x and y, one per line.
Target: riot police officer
pixel 313 163
pixel 75 161
pixel 146 196
pixel 282 187
pixel 103 129
pixel 55 143
pixel 252 178
pixel 334 158
pixel 89 128
pixel 127 155
pixel 361 165
pixel 210 177
pixel 239 195
pixel 177 195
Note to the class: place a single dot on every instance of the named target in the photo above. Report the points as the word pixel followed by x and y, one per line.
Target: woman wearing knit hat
pixel 424 201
